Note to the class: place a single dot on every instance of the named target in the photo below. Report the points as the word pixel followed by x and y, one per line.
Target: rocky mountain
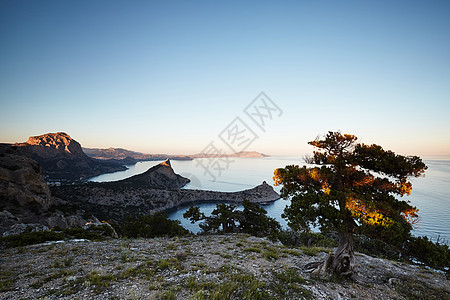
pixel 124 154
pixel 25 198
pixel 161 176
pixel 155 190
pixel 63 159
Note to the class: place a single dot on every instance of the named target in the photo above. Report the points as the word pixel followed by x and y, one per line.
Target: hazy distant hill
pixel 243 154
pixel 120 153
pixel 62 158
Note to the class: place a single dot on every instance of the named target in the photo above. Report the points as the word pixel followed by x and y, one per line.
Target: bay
pixel 430 193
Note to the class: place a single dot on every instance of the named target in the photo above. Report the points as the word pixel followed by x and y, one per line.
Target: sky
pixel 179 76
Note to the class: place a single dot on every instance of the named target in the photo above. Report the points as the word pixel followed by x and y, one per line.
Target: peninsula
pixel 157 189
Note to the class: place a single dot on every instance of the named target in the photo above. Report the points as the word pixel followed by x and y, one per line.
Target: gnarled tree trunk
pixel 340 262
pixel 344 257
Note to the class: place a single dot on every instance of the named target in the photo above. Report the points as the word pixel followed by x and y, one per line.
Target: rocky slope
pixel 201 267
pixel 62 158
pixel 161 176
pixel 155 190
pixel 25 197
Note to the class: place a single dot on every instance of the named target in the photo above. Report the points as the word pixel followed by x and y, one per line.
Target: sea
pixel 430 193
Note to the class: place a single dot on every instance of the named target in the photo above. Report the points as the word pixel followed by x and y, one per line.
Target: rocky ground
pixel 200 267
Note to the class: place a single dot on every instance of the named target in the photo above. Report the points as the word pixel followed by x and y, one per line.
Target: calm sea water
pixel 430 193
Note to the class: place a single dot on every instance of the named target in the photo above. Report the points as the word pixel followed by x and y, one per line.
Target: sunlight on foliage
pixel 371 216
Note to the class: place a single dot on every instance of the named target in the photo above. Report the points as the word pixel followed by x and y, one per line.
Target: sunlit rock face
pixel 62 158
pixel 52 144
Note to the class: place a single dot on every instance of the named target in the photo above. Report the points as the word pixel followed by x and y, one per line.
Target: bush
pixel 256 222
pixel 30 238
pixel 432 254
pixel 37 237
pixel 152 226
pixel 375 247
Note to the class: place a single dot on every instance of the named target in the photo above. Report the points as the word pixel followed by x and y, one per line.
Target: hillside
pixel 233 266
pixel 63 159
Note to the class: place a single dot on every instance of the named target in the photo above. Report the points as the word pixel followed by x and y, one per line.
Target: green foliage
pixel 224 218
pixel 152 226
pixel 37 237
pixel 194 214
pixel 30 238
pixel 312 251
pixel 435 255
pixel 270 254
pixel 375 247
pixel 100 281
pixel 290 275
pixel 306 238
pixel 96 233
pixel 256 222
pixel 252 249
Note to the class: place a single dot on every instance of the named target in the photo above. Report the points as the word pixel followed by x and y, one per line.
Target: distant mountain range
pixel 242 154
pixel 124 154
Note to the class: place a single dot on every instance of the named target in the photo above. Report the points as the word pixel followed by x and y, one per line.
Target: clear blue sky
pixel 169 76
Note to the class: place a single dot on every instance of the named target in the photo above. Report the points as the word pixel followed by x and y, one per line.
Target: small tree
pixel 224 218
pixel 353 189
pixel 255 221
pixel 150 226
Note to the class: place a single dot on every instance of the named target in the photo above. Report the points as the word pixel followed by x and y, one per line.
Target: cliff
pixel 25 197
pixel 63 159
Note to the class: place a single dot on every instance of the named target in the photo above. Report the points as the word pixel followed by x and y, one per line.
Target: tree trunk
pixel 341 262
pixel 344 257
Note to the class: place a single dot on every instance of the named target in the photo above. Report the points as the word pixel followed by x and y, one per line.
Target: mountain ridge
pixel 62 158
